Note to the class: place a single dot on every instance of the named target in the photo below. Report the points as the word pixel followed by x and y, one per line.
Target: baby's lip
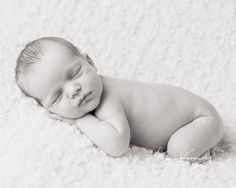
pixel 83 97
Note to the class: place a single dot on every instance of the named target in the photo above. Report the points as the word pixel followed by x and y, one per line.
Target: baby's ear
pixel 90 61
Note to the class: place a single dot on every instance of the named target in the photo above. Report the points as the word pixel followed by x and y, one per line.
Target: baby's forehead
pixel 57 64
pixel 53 52
pixel 54 47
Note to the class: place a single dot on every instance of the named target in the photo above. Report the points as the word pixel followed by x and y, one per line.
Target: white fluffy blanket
pixel 185 43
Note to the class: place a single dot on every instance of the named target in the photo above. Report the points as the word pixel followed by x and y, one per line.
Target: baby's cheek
pixel 92 104
pixel 61 109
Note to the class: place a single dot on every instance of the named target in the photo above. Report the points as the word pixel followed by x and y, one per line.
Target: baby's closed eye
pixel 74 72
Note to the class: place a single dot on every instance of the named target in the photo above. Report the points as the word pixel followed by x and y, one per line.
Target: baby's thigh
pixel 195 138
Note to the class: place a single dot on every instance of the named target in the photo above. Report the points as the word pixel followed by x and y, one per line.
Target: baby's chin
pixel 90 106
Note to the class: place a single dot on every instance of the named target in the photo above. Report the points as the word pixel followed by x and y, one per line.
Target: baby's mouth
pixel 83 98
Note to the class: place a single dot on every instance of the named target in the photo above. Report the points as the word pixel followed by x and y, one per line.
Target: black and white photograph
pixel 117 93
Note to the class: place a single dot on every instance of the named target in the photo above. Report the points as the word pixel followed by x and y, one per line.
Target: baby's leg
pixel 195 139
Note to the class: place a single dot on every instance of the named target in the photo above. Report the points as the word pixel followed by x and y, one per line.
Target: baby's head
pixel 61 79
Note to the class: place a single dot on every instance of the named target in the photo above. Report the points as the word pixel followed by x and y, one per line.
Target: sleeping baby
pixel 115 113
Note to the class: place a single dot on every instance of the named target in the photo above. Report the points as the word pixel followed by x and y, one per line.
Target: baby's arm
pixel 111 135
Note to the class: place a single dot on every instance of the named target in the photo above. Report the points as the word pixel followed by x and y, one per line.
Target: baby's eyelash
pixel 74 73
pixel 57 97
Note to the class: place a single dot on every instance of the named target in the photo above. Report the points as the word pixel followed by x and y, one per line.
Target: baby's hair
pixel 32 54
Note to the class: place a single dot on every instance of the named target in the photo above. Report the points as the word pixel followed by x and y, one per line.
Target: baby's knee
pixel 214 121
pixel 177 147
pixel 217 128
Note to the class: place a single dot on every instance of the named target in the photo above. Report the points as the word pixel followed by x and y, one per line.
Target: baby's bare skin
pixel 154 111
pixel 116 112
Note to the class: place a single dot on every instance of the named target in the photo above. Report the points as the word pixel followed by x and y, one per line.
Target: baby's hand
pixel 60 118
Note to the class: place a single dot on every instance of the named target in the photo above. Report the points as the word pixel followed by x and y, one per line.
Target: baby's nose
pixel 73 90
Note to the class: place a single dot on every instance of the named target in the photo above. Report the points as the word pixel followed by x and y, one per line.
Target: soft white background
pixel 187 43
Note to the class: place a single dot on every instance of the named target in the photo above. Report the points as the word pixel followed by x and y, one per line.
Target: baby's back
pixel 155 111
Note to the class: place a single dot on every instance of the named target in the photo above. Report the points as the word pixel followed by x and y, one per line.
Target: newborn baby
pixel 112 112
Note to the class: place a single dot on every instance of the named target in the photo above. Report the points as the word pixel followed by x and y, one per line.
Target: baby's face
pixel 65 84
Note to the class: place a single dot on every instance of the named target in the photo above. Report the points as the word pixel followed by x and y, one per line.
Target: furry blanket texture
pixel 187 43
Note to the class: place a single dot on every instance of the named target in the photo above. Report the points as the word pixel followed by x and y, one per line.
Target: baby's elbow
pixel 121 144
pixel 119 148
pixel 118 152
